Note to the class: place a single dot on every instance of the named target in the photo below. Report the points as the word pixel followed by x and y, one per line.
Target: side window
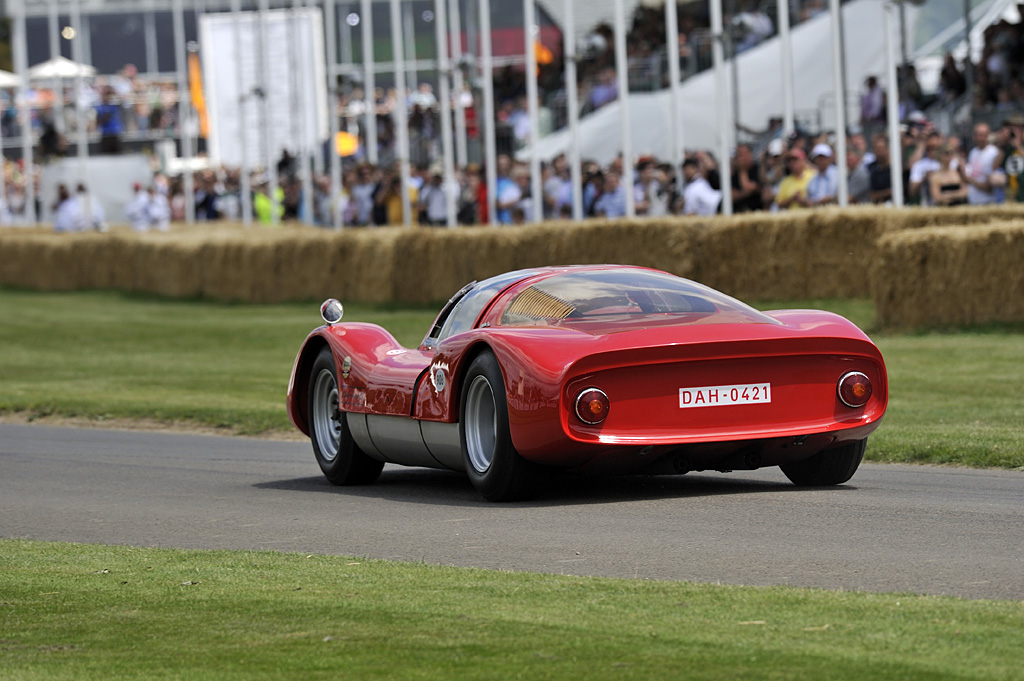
pixel 435 331
pixel 462 311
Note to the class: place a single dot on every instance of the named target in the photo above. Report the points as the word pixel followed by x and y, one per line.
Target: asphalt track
pixel 914 529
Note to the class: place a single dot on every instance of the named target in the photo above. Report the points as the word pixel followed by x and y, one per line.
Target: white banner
pixel 266 78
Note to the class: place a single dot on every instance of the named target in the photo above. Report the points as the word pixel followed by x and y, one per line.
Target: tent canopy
pixel 60 67
pixel 8 79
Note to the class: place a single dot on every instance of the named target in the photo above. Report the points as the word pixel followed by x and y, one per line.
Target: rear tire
pixel 340 458
pixel 830 467
pixel 492 462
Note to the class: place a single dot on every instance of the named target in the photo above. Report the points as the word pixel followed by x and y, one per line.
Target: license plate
pixel 725 395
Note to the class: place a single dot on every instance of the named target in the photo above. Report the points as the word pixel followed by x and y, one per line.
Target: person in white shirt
pixel 699 198
pixel 433 202
pixel 65 212
pixel 137 210
pixel 823 187
pixel 91 214
pixel 922 168
pixel 159 210
pixel 978 171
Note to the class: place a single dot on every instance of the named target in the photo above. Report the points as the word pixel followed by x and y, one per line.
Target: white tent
pixel 760 90
pixel 8 79
pixel 60 67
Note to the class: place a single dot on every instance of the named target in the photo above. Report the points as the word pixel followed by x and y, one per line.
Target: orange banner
pixel 195 87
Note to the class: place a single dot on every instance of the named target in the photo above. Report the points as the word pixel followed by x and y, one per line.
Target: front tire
pixel 830 467
pixel 492 462
pixel 340 458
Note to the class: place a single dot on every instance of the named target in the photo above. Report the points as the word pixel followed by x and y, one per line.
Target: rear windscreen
pixel 622 296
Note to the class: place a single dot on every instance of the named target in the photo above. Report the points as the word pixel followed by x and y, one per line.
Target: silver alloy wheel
pixel 481 425
pixel 326 417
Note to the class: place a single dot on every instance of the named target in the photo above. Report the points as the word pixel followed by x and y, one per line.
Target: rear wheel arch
pixel 466 361
pixel 303 367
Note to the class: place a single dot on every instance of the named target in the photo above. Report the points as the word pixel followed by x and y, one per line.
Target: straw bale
pixel 799 254
pixel 948 276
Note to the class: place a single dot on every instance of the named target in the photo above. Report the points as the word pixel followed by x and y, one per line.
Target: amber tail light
pixel 854 389
pixel 592 406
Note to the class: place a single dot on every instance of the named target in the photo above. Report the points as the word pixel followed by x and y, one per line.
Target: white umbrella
pixel 8 79
pixel 60 67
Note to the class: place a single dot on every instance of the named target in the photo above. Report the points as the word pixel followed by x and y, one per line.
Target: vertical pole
pixel 330 37
pixel 487 121
pixel 786 50
pixel 270 150
pixel 734 72
pixel 576 171
pixel 149 28
pixel 58 83
pixel 722 98
pixel 184 110
pixel 369 80
pixel 893 111
pixel 401 116
pixel 842 197
pixel 903 34
pixel 78 55
pixel 536 190
pixel 20 45
pixel 245 188
pixel 445 100
pixel 341 25
pixel 301 95
pixel 409 31
pixel 968 63
pixel 675 106
pixel 455 26
pixel 622 71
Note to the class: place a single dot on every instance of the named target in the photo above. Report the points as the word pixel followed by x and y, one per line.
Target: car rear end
pixel 725 403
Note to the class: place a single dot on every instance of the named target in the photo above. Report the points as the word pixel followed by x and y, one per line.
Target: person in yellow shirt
pixel 793 188
pixel 264 207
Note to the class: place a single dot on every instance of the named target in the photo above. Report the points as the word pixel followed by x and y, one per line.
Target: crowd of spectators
pixel 777 174
pixel 791 173
pixel 123 105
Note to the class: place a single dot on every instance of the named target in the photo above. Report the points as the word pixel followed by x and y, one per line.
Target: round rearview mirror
pixel 332 311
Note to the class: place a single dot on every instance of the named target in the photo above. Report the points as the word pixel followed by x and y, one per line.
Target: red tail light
pixel 592 406
pixel 854 389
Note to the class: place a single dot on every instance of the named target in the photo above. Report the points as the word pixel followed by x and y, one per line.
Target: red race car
pixel 603 369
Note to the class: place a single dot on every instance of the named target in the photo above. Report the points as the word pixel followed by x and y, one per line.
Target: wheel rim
pixel 326 417
pixel 481 424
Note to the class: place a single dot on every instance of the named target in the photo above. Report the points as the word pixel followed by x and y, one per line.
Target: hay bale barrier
pixel 951 276
pixel 827 253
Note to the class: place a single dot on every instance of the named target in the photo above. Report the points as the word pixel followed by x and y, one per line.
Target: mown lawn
pixel 956 395
pixel 73 612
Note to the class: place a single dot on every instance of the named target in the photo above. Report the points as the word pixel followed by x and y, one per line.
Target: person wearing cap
pixel 793 188
pixel 823 187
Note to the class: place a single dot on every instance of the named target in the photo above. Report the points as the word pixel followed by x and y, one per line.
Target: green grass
pixel 78 612
pixel 107 355
pixel 955 395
